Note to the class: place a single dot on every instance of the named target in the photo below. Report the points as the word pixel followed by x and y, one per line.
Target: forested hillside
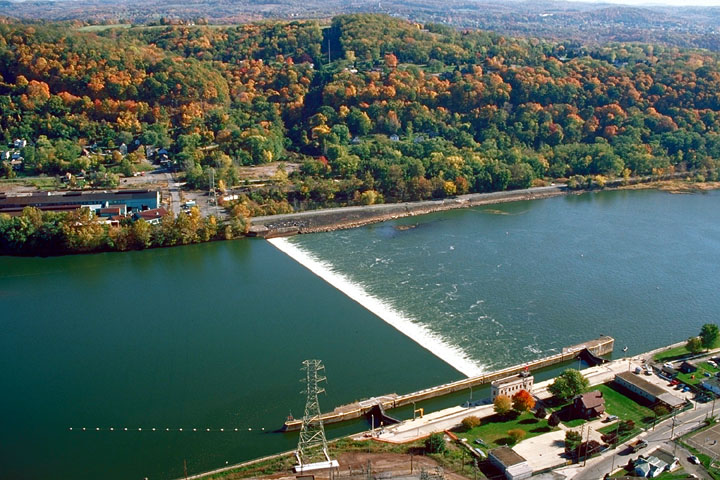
pixel 375 108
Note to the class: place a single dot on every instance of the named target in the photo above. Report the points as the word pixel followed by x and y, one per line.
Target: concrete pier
pixel 600 346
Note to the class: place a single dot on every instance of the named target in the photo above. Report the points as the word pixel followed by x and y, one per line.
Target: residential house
pixel 513 466
pixel 672 461
pixel 650 467
pixel 590 404
pixel 712 384
pixel 394 138
pixel 687 367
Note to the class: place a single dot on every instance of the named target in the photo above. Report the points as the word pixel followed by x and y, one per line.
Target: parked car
pixel 712 364
pixel 668 365
pixel 637 445
pixel 611 418
pixel 694 459
pixel 675 382
pixel 648 370
pixel 686 389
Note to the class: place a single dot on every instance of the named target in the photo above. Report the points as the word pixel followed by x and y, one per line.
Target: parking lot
pixel 707 441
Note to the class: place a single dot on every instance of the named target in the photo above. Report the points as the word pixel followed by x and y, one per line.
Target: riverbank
pixel 409 434
pixel 350 217
pixel 341 218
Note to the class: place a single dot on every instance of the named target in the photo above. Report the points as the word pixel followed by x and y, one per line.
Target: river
pixel 212 336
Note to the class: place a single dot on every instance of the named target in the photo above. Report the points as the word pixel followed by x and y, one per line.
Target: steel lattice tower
pixel 312 433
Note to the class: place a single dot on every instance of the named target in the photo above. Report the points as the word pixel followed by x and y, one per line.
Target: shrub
pixel 468 423
pixel 554 420
pixel 435 443
pixel 516 434
pixel 540 412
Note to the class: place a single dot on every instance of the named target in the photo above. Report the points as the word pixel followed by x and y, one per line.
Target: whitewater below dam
pixel 128 365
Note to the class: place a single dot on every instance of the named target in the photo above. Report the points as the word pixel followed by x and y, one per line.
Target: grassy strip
pixel 678 353
pixel 493 430
pixel 624 407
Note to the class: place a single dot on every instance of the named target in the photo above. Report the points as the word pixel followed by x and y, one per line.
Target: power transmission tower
pixel 312 433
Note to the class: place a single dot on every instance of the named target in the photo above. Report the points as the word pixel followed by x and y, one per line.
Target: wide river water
pixel 212 336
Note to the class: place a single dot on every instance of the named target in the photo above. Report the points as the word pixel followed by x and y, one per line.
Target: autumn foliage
pixel 523 401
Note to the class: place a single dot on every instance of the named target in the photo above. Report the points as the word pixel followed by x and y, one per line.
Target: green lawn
pixel 493 430
pixel 697 377
pixel 624 407
pixel 677 353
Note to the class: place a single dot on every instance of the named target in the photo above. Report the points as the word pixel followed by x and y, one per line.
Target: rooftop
pixel 152 214
pixel 515 378
pixel 592 399
pixel 634 379
pixel 59 198
pixel 507 456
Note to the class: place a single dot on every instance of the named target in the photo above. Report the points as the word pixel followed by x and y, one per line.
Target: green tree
pixel 694 345
pixel 709 335
pixel 568 384
pixel 435 443
pixel 573 440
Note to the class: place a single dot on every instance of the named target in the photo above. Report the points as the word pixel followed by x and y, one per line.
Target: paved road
pixel 597 467
pixel 174 193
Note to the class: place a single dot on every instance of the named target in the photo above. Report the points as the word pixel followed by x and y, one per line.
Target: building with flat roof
pixel 134 200
pixel 649 391
pixel 513 466
pixel 511 385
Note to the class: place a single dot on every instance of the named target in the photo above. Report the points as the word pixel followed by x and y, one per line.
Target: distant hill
pixel 587 22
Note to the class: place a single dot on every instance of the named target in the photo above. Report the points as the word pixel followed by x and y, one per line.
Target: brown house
pixel 590 404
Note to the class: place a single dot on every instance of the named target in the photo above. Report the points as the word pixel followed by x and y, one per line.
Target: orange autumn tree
pixel 523 401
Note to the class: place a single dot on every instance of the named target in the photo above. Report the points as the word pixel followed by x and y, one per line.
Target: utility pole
pixel 587 441
pixel 185 468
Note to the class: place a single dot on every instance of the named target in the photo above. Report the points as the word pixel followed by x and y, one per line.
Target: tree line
pixel 374 108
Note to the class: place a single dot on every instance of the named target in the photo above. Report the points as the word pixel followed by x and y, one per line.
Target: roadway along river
pixel 212 336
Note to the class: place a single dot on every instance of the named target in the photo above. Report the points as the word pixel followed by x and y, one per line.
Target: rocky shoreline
pixel 350 217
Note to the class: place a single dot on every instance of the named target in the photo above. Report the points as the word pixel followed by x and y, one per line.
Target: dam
pixel 595 348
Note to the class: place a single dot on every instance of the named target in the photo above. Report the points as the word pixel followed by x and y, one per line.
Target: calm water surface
pixel 212 336
pixel 205 336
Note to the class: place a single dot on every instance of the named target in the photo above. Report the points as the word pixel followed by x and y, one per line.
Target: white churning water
pixel 434 343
